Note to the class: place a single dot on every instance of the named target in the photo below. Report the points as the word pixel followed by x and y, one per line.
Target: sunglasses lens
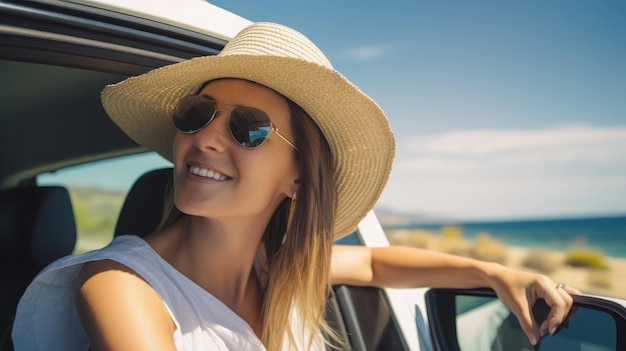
pixel 192 113
pixel 249 126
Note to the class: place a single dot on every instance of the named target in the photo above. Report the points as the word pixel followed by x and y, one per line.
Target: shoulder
pixel 111 280
pixel 116 305
pixel 108 270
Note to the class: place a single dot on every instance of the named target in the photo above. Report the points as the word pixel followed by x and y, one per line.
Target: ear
pixel 292 188
pixel 291 181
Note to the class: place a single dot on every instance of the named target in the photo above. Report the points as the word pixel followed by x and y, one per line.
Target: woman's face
pixel 244 182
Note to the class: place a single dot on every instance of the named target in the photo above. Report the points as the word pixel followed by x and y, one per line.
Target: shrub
pixel 488 249
pixel 398 237
pixel 585 257
pixel 541 260
pixel 422 239
pixel 599 279
pixel 415 238
pixel 452 241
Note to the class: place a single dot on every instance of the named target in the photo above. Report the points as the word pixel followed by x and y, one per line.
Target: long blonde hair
pixel 298 269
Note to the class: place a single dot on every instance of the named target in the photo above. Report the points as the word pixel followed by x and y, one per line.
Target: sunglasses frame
pixel 272 127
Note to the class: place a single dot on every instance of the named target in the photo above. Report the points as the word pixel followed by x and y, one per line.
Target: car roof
pixel 194 15
pixel 55 58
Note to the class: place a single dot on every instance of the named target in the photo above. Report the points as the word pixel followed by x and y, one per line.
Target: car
pixel 55 58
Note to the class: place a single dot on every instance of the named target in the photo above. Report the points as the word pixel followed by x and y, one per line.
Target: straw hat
pixel 278 57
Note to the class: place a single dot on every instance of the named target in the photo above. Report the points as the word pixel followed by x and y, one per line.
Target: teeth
pixel 207 173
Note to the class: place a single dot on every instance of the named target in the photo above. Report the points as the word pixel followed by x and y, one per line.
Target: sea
pixel 606 234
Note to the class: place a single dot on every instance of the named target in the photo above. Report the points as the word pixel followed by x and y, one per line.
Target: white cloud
pixel 505 198
pixel 474 149
pixel 365 52
pixel 430 163
pixel 505 173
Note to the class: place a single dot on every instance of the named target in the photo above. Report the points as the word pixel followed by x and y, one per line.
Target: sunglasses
pixel 249 126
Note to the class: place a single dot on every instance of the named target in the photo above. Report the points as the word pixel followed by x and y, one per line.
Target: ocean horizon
pixel 606 234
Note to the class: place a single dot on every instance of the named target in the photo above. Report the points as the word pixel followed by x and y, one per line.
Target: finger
pixel 572 291
pixel 521 306
pixel 573 309
pixel 567 298
pixel 559 303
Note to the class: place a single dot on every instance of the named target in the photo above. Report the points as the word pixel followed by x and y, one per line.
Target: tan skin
pixel 216 245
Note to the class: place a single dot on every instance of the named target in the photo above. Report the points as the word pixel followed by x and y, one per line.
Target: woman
pixel 275 156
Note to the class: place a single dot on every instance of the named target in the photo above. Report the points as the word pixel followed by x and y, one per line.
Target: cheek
pixel 180 146
pixel 270 173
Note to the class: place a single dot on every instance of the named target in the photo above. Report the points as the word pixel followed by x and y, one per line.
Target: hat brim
pixel 359 135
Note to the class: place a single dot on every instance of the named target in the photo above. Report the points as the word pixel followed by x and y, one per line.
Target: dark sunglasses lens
pixel 192 113
pixel 249 126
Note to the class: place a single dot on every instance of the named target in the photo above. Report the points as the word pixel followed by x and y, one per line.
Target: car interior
pixel 36 227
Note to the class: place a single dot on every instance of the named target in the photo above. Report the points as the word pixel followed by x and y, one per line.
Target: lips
pixel 207 173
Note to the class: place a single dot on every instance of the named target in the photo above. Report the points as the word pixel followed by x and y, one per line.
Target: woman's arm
pixel 120 311
pixel 405 267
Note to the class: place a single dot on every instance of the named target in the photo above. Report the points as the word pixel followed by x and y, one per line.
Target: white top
pixel 47 318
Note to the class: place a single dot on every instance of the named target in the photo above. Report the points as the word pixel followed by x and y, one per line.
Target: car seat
pixel 143 207
pixel 37 226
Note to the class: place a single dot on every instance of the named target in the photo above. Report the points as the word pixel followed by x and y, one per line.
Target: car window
pixel 97 191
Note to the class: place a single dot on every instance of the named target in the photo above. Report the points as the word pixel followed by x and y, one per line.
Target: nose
pixel 215 135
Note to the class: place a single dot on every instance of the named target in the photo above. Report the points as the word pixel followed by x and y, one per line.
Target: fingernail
pixel 533 340
pixel 553 330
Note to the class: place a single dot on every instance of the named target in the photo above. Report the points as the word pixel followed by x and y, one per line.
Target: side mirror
pixel 467 320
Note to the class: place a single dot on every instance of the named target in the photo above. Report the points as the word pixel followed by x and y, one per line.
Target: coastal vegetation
pixel 585 257
pixel 541 260
pixel 95 212
pixel 451 240
pixel 585 268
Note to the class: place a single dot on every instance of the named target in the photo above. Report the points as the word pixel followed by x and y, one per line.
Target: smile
pixel 207 173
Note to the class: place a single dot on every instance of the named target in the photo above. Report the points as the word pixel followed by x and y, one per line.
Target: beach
pixel 579 277
pixel 610 281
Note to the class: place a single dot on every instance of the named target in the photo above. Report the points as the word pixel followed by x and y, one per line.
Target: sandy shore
pixel 581 278
pixel 609 282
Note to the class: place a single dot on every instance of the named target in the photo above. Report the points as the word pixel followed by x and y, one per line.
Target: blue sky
pixel 501 109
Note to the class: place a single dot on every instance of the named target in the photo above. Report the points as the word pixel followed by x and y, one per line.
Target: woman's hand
pixel 520 290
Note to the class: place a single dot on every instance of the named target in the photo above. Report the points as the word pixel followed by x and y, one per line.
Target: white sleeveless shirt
pixel 47 318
